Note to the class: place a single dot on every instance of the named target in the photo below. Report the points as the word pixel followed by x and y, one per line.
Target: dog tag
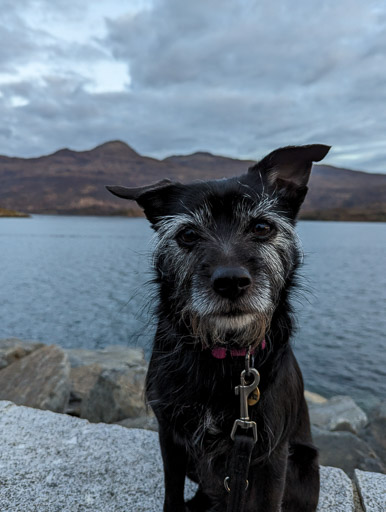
pixel 254 397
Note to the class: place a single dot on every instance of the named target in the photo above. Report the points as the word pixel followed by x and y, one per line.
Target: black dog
pixel 226 261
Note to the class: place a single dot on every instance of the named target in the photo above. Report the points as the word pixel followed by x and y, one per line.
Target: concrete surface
pixel 56 463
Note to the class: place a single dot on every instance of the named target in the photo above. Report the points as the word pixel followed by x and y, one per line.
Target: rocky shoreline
pixel 107 386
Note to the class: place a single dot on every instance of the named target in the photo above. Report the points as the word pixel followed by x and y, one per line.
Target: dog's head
pixel 227 248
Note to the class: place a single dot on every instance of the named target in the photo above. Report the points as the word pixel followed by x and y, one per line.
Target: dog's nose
pixel 231 282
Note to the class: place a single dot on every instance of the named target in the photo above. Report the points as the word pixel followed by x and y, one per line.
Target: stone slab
pixel 372 490
pixel 336 492
pixel 53 463
pixel 57 463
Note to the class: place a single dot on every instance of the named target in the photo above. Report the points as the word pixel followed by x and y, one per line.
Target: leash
pixel 237 482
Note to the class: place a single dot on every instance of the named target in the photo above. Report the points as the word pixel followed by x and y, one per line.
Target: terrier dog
pixel 226 258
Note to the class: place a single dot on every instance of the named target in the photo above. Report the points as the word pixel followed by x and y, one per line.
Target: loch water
pixel 84 282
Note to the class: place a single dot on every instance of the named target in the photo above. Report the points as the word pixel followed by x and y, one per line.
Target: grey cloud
pixel 24 43
pixel 245 44
pixel 17 41
pixel 261 72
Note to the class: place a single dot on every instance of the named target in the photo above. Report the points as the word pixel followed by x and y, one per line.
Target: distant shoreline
pixel 12 213
pixel 317 215
pixel 344 215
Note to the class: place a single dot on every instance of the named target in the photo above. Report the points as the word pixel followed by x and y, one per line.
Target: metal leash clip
pixel 249 358
pixel 244 390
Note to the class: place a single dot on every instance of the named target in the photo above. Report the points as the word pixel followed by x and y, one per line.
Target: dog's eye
pixel 187 237
pixel 262 230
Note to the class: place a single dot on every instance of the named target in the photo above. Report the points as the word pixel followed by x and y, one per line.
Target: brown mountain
pixel 72 182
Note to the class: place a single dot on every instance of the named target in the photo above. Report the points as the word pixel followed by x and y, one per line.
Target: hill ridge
pixel 73 182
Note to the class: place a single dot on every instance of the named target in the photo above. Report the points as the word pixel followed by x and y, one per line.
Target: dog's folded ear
pixel 152 198
pixel 136 192
pixel 290 165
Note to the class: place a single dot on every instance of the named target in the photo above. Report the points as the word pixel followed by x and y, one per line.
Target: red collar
pixel 220 352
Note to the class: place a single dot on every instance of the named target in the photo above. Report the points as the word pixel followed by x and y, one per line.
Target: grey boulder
pixel 113 356
pixel 314 398
pixel 13 349
pixel 338 413
pixel 346 451
pixel 107 385
pixel 40 379
pixel 375 432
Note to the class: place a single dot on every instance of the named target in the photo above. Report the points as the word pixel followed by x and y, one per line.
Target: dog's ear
pixel 288 169
pixel 152 198
pixel 291 164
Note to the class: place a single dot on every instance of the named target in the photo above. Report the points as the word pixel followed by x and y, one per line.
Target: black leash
pixel 237 481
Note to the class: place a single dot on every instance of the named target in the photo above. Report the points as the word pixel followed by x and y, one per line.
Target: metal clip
pixel 249 360
pixel 244 390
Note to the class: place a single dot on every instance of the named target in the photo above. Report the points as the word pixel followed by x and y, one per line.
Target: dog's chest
pixel 196 399
pixel 200 428
pixel 203 417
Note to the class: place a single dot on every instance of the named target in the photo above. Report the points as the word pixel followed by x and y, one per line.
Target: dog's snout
pixel 231 282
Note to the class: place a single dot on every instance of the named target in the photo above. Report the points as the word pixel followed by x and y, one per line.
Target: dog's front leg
pixel 175 461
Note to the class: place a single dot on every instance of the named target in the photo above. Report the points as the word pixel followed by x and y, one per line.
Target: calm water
pixel 81 282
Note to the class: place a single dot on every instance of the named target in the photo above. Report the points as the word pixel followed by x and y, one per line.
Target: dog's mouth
pixel 239 328
pixel 232 321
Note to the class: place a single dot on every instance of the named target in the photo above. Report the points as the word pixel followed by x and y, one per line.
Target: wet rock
pixel 375 432
pixel 40 379
pixel 83 379
pixel 314 398
pixel 346 451
pixel 108 384
pixel 116 395
pixel 338 413
pixel 13 349
pixel 372 490
pixel 114 356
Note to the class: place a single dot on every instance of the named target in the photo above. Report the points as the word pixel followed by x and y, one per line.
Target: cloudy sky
pixel 233 77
